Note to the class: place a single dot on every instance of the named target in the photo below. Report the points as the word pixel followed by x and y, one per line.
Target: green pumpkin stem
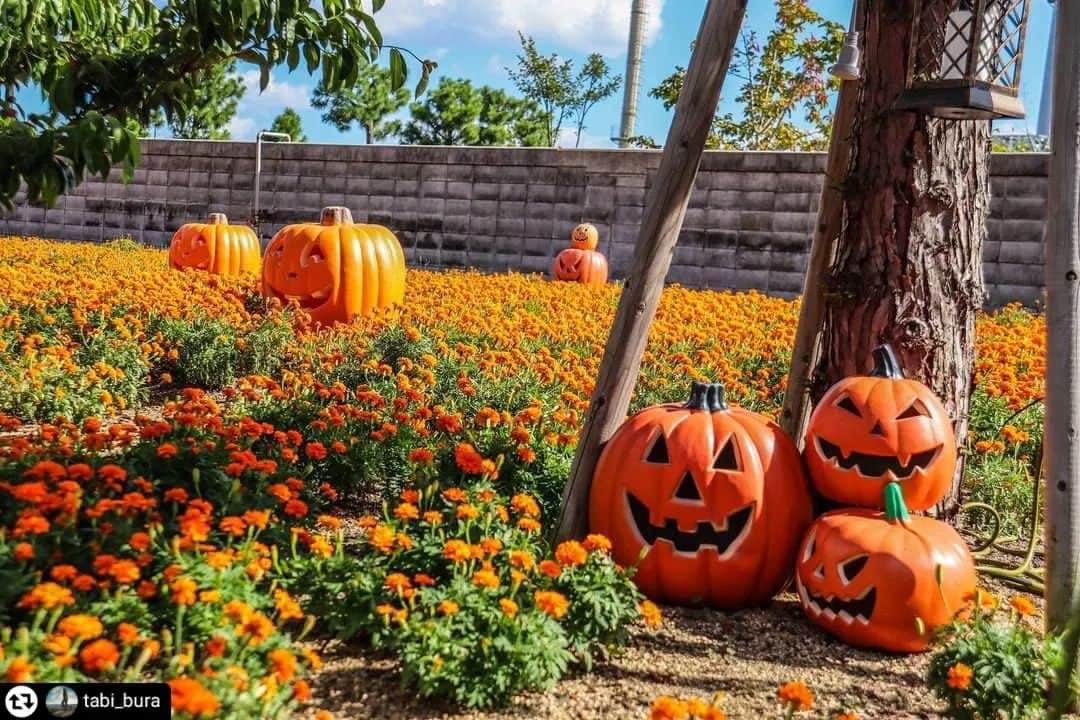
pixel 885 363
pixel 707 396
pixel 895 509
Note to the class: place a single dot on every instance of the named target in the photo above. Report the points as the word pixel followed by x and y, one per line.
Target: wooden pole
pixel 804 356
pixel 665 206
pixel 1063 351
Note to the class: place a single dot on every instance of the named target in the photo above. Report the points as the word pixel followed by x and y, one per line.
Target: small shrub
pixel 986 668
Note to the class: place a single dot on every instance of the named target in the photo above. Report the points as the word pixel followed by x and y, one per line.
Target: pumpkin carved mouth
pixel 311 300
pixel 725 539
pixel 859 609
pixel 876 466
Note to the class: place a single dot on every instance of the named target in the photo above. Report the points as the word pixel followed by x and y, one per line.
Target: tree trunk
pixel 908 267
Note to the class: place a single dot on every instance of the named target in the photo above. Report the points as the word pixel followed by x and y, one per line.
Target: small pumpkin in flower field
pixel 869 431
pixel 713 496
pixel 883 579
pixel 582 262
pixel 216 246
pixel 335 269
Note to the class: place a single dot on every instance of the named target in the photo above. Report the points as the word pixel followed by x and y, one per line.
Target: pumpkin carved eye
pixel 849 569
pixel 916 409
pixel 658 454
pixel 728 458
pixel 846 403
pixel 316 255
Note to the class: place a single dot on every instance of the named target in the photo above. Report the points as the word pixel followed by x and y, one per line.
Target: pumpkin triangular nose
pixel 687 489
pixel 876 430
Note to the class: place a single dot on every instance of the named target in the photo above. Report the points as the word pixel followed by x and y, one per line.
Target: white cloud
pixel 568 138
pixel 586 25
pixel 277 96
pixel 241 128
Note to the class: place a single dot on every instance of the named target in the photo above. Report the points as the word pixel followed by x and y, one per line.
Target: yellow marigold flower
pixel 650 614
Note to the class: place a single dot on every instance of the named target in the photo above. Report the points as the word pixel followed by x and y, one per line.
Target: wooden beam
pixel 830 222
pixel 1062 431
pixel 665 206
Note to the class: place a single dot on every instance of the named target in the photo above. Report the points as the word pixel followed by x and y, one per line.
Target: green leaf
pixel 398 69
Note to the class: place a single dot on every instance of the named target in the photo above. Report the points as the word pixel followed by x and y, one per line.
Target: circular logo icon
pixel 62 701
pixel 20 701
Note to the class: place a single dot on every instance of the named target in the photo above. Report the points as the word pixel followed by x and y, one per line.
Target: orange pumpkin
pixel 872 578
pixel 216 246
pixel 713 496
pixel 867 432
pixel 581 262
pixel 585 237
pixel 335 269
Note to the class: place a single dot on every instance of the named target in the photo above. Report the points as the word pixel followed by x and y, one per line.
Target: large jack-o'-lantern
pixel 869 431
pixel 713 496
pixel 216 246
pixel 582 262
pixel 335 269
pixel 883 579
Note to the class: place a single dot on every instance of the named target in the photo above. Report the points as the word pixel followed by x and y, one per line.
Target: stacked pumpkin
pixel 582 262
pixel 712 504
pixel 874 575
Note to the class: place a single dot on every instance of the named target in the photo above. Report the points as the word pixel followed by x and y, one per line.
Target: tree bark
pixel 908 267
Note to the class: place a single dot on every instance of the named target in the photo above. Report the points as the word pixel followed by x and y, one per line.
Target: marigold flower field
pixel 176 509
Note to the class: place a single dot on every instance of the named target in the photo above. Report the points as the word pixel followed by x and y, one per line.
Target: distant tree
pixel 104 68
pixel 288 121
pixel 784 96
pixel 367 103
pixel 217 92
pixel 593 84
pixel 456 113
pixel 549 80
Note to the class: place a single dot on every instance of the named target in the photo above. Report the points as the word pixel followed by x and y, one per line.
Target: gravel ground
pixel 746 655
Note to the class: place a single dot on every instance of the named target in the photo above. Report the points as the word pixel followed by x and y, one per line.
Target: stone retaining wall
pixel 747 227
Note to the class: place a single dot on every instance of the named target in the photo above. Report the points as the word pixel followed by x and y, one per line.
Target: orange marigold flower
pixel 410 496
pixel 23 551
pixel 650 614
pixel 457 550
pixel 397 582
pixel 190 696
pixel 329 521
pixel 382 538
pixel 1023 606
pixel 597 543
pixel 528 524
pixel 467 511
pixel 526 454
pixel 216 646
pixel 166 450
pixel 406 511
pixel 20 670
pixel 509 607
pixel 282 664
pixel 449 607
pixel 522 559
pixel 486 579
pixel 57 644
pixel 183 591
pixel 423 580
pixel 433 517
pixel 421 456
pixel 99 656
pixel 80 627
pixel 549 568
pixel 454 495
pixel 525 505
pixel 570 554
pixel 124 572
pixel 668 708
pixel 233 525
pixel 301 690
pixel 127 633
pixel 468 459
pixel 959 676
pixel 257 626
pixel 796 696
pixel 553 603
pixel 45 596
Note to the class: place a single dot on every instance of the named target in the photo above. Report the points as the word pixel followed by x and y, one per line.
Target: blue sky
pixel 477 39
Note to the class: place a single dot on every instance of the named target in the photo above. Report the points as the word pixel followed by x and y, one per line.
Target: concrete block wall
pixel 748 223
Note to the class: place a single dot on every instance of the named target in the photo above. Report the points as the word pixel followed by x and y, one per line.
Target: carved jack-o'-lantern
pixel 582 262
pixel 883 579
pixel 335 269
pixel 585 237
pixel 715 496
pixel 869 431
pixel 216 246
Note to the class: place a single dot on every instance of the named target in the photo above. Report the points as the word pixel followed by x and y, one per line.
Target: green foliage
pixel 288 121
pixel 1007 665
pixel 214 102
pixel 550 81
pixel 456 113
pixel 784 96
pixel 213 353
pixel 452 582
pixel 367 102
pixel 105 68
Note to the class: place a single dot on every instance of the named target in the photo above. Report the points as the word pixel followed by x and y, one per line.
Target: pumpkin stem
pixel 707 396
pixel 885 363
pixel 218 219
pixel 895 509
pixel 336 215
